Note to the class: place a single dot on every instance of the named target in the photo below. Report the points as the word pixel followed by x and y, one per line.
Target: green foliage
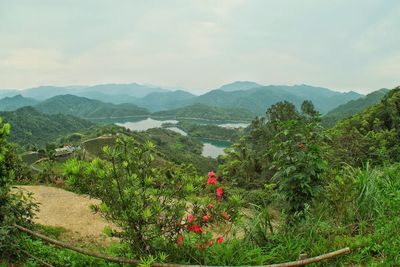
pixel 14 206
pixel 297 160
pixel 371 135
pixel 53 255
pixel 18 169
pixel 144 202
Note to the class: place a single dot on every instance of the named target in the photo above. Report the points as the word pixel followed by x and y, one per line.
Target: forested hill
pixel 31 127
pixel 158 101
pixel 16 102
pixel 202 111
pixel 352 107
pixel 372 135
pixel 88 108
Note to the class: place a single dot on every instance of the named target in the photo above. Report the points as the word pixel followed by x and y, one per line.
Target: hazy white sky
pixel 200 44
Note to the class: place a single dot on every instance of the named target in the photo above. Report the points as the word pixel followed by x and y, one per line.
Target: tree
pixel 145 202
pixel 298 162
pixel 282 111
pixel 308 109
pixel 14 208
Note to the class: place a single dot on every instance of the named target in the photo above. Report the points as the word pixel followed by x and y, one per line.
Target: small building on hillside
pixel 66 150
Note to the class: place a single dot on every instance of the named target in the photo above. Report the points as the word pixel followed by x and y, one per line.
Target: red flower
pixel 179 240
pixel 212 180
pixel 211 174
pixel 220 192
pixel 190 218
pixel 198 246
pixel 210 205
pixel 206 218
pixel 301 146
pixel 210 243
pixel 220 239
pixel 195 228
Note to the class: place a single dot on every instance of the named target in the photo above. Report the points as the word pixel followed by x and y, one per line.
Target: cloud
pixel 200 44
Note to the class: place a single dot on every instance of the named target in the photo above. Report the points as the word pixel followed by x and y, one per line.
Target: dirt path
pixel 68 210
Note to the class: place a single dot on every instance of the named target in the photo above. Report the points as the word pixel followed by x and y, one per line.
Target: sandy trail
pixel 68 210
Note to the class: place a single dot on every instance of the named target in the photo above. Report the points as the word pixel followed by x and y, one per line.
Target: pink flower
pixel 211 174
pixel 220 192
pixel 190 218
pixel 210 205
pixel 198 246
pixel 206 218
pixel 179 240
pixel 220 239
pixel 210 243
pixel 212 180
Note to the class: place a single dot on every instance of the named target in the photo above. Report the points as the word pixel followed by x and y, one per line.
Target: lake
pixel 145 124
pixel 212 148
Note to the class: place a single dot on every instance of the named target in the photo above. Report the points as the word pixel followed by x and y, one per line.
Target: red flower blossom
pixel 190 218
pixel 210 243
pixel 211 174
pixel 206 218
pixel 301 146
pixel 210 205
pixel 220 239
pixel 198 246
pixel 179 240
pixel 212 180
pixel 220 192
pixel 195 228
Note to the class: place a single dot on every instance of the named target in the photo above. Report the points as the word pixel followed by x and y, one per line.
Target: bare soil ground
pixel 71 211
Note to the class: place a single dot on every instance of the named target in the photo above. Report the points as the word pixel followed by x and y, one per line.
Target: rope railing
pixel 136 262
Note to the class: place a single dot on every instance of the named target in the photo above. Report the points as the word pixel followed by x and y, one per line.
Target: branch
pixel 136 262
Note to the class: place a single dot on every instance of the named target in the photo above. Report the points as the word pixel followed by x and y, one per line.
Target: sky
pixel 200 44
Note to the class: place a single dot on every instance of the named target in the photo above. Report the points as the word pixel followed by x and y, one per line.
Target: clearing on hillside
pixel 68 210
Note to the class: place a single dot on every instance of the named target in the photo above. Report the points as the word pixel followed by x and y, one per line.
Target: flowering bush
pixel 209 223
pixel 145 202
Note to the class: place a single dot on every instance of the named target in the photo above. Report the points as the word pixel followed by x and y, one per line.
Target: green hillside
pixel 352 107
pixel 31 127
pixel 88 108
pixel 202 111
pixel 373 134
pixel 16 102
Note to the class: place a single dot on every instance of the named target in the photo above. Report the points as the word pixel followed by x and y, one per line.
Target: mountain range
pixel 243 95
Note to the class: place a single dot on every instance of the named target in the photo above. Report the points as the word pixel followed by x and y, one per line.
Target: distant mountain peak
pixel 239 86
